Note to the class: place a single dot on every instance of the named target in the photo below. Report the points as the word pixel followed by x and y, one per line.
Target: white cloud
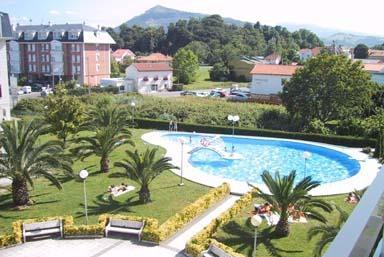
pixel 68 12
pixel 54 12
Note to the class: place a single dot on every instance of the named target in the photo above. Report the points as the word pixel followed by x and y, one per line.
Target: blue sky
pixel 358 16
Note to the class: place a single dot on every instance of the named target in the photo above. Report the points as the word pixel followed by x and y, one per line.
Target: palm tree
pixel 144 168
pixel 24 158
pixel 106 116
pixel 327 232
pixel 284 194
pixel 103 142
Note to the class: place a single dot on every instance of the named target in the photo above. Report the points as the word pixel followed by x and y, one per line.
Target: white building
pixel 306 53
pixel 5 34
pixel 268 79
pixel 149 77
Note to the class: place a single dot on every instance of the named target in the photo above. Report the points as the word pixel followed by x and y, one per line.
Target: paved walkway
pixel 106 247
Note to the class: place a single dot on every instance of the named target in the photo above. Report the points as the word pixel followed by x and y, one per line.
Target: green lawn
pixel 168 198
pixel 203 81
pixel 239 235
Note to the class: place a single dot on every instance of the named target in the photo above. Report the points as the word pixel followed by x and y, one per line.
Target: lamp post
pixel 256 221
pixel 306 156
pixel 233 119
pixel 83 175
pixel 133 105
pixel 182 142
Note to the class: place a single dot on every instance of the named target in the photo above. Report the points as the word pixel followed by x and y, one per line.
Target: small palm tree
pixel 106 116
pixel 24 157
pixel 144 168
pixel 284 194
pixel 102 144
pixel 327 232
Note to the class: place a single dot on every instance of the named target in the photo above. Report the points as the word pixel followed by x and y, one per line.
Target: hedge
pixel 179 220
pixel 347 141
pixel 201 240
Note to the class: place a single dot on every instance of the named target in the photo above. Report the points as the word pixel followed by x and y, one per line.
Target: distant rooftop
pixel 155 57
pixel 142 67
pixel 271 69
pixel 119 53
pixel 5 28
pixel 375 53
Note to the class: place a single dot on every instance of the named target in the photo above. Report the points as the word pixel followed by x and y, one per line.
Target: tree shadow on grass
pixel 242 236
pixel 109 205
pixel 118 175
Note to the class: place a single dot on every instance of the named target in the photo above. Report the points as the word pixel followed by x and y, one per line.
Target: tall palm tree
pixel 24 158
pixel 284 194
pixel 102 143
pixel 327 232
pixel 144 168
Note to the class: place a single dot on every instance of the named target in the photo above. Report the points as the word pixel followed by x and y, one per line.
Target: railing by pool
pixel 361 235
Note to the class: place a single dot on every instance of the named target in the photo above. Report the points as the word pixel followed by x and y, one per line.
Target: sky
pixel 365 17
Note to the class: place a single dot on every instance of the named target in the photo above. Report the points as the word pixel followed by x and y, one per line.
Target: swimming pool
pixel 257 155
pixel 338 169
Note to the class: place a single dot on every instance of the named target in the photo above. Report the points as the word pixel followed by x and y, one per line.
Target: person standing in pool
pixel 171 125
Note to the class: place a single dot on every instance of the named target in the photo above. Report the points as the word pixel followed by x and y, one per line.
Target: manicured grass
pixel 167 197
pixel 239 234
pixel 203 81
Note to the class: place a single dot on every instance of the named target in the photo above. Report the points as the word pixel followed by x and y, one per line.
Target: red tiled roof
pixel 159 66
pixel 155 57
pixel 374 67
pixel 376 53
pixel 316 51
pixel 270 69
pixel 119 53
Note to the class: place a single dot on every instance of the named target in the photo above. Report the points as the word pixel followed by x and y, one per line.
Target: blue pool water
pixel 324 165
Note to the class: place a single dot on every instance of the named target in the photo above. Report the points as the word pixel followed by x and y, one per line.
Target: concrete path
pixel 178 241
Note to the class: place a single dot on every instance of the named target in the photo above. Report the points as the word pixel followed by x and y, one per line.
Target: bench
pixel 125 226
pixel 42 228
pixel 214 251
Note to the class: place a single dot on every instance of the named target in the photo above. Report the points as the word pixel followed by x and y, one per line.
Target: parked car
pixel 235 92
pixel 215 93
pixel 46 92
pixel 36 87
pixel 20 92
pixel 185 93
pixel 238 97
pixel 27 89
pixel 202 94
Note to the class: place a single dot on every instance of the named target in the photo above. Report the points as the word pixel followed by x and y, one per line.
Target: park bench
pixel 44 228
pixel 214 251
pixel 125 227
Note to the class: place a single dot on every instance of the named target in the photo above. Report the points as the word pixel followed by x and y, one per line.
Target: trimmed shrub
pixel 329 139
pixel 179 220
pixel 7 240
pixel 30 106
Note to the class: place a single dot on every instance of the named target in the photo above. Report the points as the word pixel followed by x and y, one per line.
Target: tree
pixel 200 49
pixel 326 232
pixel 284 194
pixel 219 72
pixel 361 51
pixel 109 125
pixel 143 168
pixel 24 158
pixel 185 65
pixel 328 88
pixel 65 114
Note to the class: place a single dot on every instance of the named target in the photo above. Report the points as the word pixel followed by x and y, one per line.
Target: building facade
pixel 5 34
pixel 149 77
pixel 268 79
pixel 120 54
pixel 50 53
pixel 377 72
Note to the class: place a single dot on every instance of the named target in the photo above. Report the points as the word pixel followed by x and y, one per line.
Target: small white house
pixel 5 34
pixel 149 77
pixel 267 79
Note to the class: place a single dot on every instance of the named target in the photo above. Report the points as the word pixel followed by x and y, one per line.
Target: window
pixel 29 57
pixel 42 35
pixel 78 58
pixel 29 35
pixel 77 48
pixel 165 78
pixel 73 35
pixel 57 35
pixel 156 78
pixel 146 79
pixel 30 68
pixel 154 87
pixel 97 67
pixel 97 57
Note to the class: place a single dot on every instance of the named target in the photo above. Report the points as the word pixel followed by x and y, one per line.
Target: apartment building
pixel 5 34
pixel 50 53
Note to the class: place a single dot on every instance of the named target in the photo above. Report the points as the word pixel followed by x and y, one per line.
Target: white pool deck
pixel 367 173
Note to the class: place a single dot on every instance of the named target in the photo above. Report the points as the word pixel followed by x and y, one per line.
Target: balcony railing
pixel 360 235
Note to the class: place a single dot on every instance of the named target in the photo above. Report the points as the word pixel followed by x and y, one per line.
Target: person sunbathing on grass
pixel 352 198
pixel 265 209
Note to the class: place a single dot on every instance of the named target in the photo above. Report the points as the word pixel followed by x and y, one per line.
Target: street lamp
pixel 83 175
pixel 133 105
pixel 256 221
pixel 233 119
pixel 182 142
pixel 306 156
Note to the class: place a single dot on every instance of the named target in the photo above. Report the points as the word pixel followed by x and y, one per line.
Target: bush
pixel 201 240
pixel 7 240
pixel 179 220
pixel 29 106
pixel 329 139
pixel 318 127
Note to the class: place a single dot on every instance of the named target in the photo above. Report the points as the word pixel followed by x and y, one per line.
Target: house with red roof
pixel 307 53
pixel 376 70
pixel 149 77
pixel 120 54
pixel 268 79
pixel 273 59
pixel 154 58
pixel 374 54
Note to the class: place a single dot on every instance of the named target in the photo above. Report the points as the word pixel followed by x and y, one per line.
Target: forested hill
pixel 215 41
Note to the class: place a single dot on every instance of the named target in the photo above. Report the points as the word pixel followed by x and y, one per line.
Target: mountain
pixel 162 16
pixel 351 40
